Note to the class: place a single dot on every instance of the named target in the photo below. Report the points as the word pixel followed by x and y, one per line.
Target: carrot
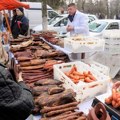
pixel 87 79
pixel 113 103
pixel 82 80
pixel 116 105
pixel 67 74
pixel 118 95
pixel 85 74
pixel 75 68
pixel 114 94
pixel 89 73
pixel 75 81
pixel 108 100
pixel 92 77
pixel 72 70
pixel 82 77
pixel 74 77
pixel 119 103
pixel 118 99
pixel 77 73
pixel 71 76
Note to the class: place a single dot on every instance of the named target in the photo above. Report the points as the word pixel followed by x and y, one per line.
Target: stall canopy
pixel 12 4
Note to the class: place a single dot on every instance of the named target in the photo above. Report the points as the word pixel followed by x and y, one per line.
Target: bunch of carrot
pixel 114 99
pixel 76 76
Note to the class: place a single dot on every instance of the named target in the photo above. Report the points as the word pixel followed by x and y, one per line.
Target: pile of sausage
pixel 36 58
pixel 63 112
pixel 53 102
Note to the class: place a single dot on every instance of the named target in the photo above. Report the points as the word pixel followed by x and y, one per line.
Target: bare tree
pixel 107 6
pixel 81 4
pixel 114 8
pixel 44 14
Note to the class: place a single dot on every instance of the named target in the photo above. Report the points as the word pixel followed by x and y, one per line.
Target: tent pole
pixel 8 25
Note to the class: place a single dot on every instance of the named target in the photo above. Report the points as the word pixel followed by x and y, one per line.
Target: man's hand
pixel 20 77
pixel 19 22
pixel 70 28
pixel 116 85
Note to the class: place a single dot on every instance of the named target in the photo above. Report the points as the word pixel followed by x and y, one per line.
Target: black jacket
pixel 16 101
pixel 5 23
pixel 22 29
pixel 13 21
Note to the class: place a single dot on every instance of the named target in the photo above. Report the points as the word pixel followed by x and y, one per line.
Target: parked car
pixel 91 17
pixel 98 27
pixel 59 24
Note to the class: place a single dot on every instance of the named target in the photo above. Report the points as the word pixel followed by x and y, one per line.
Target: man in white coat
pixel 77 25
pixel 78 22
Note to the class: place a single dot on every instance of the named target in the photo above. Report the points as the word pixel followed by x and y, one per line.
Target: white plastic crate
pixel 112 49
pixel 110 60
pixel 112 41
pixel 100 67
pixel 87 44
pixel 83 90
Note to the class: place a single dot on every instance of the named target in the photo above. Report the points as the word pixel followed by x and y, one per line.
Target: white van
pixel 34 13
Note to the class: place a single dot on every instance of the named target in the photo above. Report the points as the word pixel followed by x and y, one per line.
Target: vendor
pixel 13 21
pixel 78 22
pixel 77 25
pixel 16 101
pixel 20 25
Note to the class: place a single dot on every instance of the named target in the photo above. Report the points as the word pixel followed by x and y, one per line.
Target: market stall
pixel 63 89
pixel 58 93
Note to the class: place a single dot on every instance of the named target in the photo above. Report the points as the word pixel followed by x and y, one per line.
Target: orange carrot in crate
pixel 108 100
pixel 118 99
pixel 92 77
pixel 118 95
pixel 87 79
pixel 75 81
pixel 116 105
pixel 85 74
pixel 67 74
pixel 113 103
pixel 71 76
pixel 119 103
pixel 114 94
pixel 74 77
pixel 89 73
pixel 82 77
pixel 77 73
pixel 73 69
